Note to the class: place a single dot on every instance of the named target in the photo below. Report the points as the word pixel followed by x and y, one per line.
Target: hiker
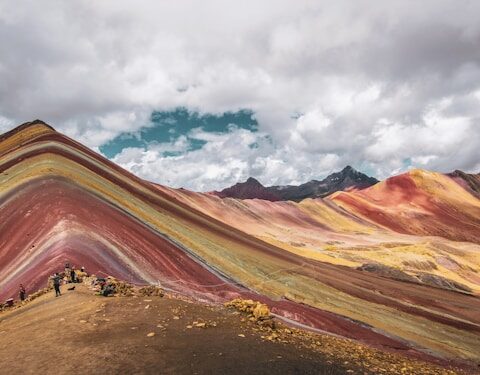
pixel 22 293
pixel 56 284
pixel 68 272
pixel 101 282
pixel 73 276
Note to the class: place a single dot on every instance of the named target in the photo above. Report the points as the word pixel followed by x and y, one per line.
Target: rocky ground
pixel 84 333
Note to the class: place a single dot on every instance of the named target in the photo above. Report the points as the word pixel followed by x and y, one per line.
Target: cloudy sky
pixel 203 94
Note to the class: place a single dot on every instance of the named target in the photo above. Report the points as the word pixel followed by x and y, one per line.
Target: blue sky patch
pixel 168 126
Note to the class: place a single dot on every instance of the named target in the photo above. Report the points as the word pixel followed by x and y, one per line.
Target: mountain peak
pixel 24 133
pixel 32 123
pixel 349 169
pixel 253 181
pixel 250 189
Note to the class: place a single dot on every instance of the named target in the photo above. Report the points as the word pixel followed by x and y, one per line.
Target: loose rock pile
pixel 122 288
pixel 257 312
pixel 355 355
pixel 151 290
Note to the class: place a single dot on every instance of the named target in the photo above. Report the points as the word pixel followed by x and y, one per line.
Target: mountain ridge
pixel 346 179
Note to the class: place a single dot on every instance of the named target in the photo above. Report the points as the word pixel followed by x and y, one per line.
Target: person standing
pixel 56 284
pixel 22 293
pixel 73 275
pixel 68 272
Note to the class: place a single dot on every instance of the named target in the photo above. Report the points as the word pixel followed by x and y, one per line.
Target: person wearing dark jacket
pixel 56 284
pixel 22 293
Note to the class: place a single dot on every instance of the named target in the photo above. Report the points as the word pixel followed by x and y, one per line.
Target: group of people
pixel 70 275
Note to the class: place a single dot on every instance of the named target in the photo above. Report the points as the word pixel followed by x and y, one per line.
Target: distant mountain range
pixel 346 179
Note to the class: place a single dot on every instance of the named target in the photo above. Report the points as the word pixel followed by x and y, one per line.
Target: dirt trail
pixel 82 333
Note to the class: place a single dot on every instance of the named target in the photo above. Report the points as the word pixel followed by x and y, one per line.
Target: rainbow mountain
pixel 395 265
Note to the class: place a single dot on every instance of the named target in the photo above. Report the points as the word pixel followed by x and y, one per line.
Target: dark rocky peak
pixel 251 182
pixel 469 180
pixel 350 175
pixel 249 189
pixel 349 169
